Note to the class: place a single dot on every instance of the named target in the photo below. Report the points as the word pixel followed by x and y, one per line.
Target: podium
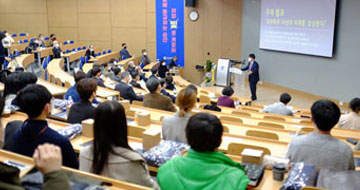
pixel 227 74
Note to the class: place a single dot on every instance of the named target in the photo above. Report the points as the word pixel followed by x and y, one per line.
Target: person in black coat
pixel 254 77
pixel 162 70
pixel 126 91
pixel 169 83
pixel 164 92
pixel 173 62
pixel 84 109
pixel 90 52
pixel 56 50
pixel 135 77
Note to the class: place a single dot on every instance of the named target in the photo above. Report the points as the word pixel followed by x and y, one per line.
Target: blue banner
pixel 170 30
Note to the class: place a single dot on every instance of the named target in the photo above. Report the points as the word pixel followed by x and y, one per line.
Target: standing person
pixel 110 154
pixel 124 53
pixel 203 167
pixel 144 59
pixel 90 52
pixel 3 55
pixel 254 77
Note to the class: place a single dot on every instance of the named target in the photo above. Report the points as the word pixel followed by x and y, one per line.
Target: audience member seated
pixel 90 52
pixel 72 93
pixel 173 127
pixel 203 167
pixel 48 161
pixel 193 87
pixel 131 67
pixel 170 82
pixel 280 107
pixel 352 119
pixel 57 52
pixel 14 83
pixel 319 148
pixel 83 109
pixel 154 71
pixel 42 41
pixel 108 73
pixel 156 100
pixel 124 53
pixel 89 74
pixel 164 92
pixel 110 154
pixel 52 38
pixel 126 91
pixel 162 69
pixel 35 100
pixel 226 100
pixel 97 76
pixel 135 78
pixel 34 45
pixel 144 59
pixel 117 72
pixel 173 62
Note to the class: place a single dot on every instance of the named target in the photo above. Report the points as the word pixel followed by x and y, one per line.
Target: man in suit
pixel 135 78
pixel 156 100
pixel 254 77
pixel 124 53
pixel 126 91
pixel 144 59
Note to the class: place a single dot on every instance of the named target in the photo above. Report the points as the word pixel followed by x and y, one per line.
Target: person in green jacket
pixel 203 167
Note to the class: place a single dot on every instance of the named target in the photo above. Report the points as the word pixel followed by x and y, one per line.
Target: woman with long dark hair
pixel 110 154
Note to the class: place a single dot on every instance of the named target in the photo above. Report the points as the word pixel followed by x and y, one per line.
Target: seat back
pixel 135 131
pixel 240 113
pixel 130 113
pixel 306 122
pixel 237 148
pixel 250 109
pixel 204 99
pixel 274 118
pixel 306 130
pixel 262 134
pixel 272 125
pixel 67 84
pixel 231 119
pixel 138 103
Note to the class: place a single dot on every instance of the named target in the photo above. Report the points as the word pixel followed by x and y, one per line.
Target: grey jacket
pixel 126 165
pixel 173 127
pixel 278 108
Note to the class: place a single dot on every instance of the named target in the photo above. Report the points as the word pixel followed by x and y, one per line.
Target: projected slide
pixel 298 26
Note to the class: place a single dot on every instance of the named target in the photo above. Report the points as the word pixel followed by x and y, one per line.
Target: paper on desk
pixel 251 152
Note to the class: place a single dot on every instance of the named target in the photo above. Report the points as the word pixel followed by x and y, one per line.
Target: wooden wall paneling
pixel 94 27
pixel 128 13
pixel 134 37
pixel 62 13
pixel 93 6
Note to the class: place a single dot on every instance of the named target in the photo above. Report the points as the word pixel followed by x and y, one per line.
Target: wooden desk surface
pixel 105 58
pixel 55 68
pixel 73 56
pixel 149 66
pixel 25 60
pixel 55 90
pixel 18 47
pixel 116 185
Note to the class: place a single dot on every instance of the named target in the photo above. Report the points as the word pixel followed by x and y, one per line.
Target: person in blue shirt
pixel 35 100
pixel 73 93
pixel 124 53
